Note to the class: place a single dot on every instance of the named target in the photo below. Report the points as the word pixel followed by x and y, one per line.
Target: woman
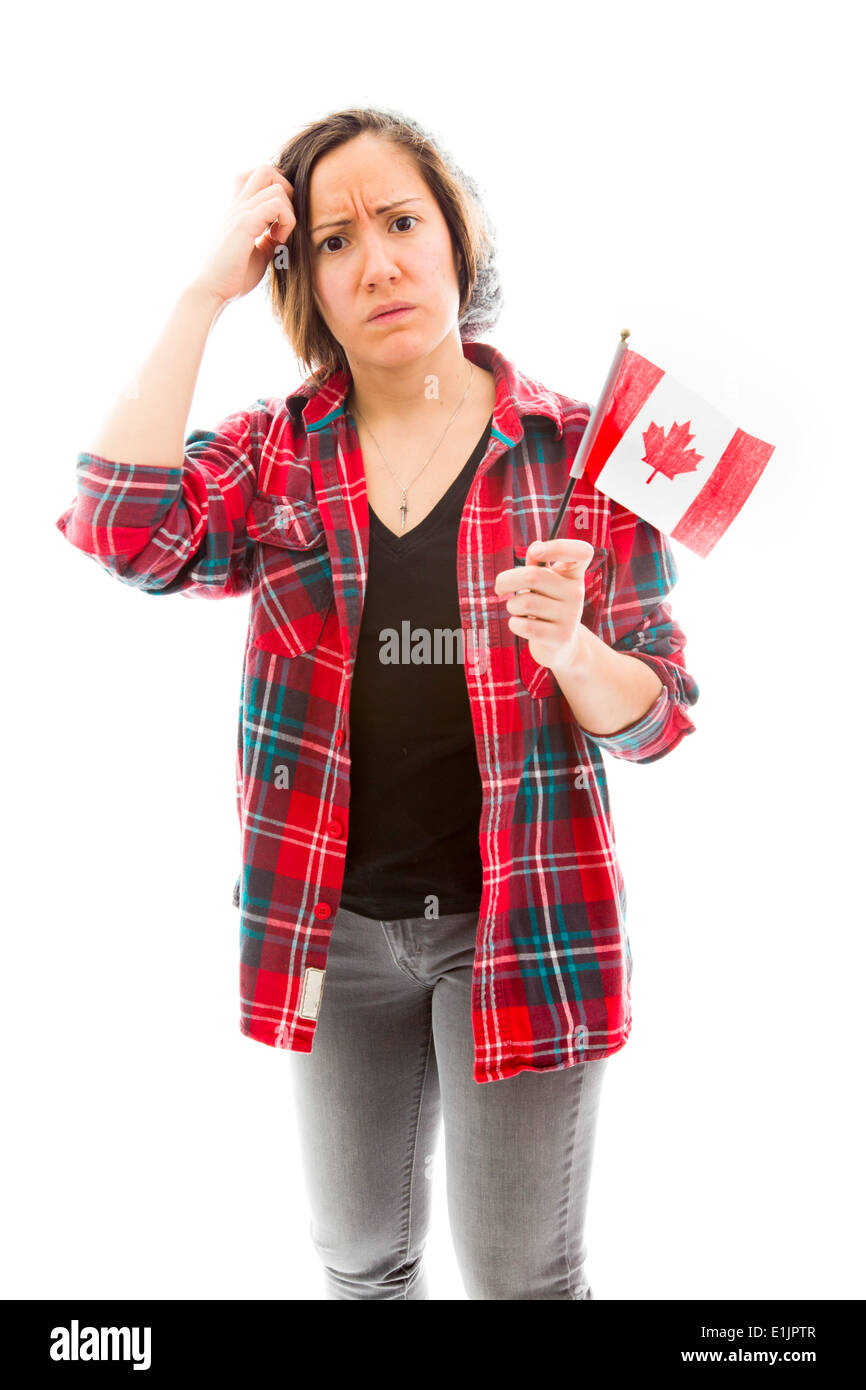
pixel 432 910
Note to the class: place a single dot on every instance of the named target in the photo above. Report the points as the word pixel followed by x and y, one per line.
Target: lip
pixel 390 311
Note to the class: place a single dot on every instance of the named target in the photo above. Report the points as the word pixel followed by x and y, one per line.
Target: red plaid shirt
pixel 274 502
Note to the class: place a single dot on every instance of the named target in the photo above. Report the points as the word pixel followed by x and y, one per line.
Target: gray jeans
pixel 391 1061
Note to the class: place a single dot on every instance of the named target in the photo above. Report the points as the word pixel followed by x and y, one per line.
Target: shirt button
pixel 335 827
pixel 339 737
pixel 322 910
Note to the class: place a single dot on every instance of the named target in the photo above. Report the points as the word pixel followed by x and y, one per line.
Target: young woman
pixel 432 909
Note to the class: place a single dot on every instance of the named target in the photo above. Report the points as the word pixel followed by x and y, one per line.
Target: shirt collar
pixel 517 395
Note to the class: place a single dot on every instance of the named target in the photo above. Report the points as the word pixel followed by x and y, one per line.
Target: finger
pixel 546 610
pixel 272 203
pixel 565 555
pixel 530 627
pixel 536 578
pixel 261 177
pixel 561 548
pixel 289 187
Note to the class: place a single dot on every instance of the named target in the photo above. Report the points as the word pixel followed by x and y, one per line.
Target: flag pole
pixel 592 428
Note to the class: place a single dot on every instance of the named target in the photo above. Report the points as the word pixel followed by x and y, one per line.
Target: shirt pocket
pixel 539 680
pixel 292 581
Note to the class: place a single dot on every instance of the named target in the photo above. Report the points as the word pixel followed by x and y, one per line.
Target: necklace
pixel 404 490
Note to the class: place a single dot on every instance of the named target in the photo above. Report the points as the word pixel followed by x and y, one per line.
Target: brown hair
pixel 290 273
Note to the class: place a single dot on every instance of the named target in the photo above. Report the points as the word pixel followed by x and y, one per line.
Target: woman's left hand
pixel 546 600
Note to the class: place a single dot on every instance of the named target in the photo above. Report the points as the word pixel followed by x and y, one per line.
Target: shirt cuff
pixel 643 733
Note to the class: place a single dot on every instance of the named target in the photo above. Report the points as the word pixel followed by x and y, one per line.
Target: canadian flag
pixel 663 452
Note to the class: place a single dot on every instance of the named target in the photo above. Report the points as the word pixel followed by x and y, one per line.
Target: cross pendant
pixel 403 512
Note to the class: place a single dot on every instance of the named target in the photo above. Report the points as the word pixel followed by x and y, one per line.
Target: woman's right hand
pixel 260 217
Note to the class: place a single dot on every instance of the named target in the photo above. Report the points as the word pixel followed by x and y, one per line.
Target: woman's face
pixel 402 253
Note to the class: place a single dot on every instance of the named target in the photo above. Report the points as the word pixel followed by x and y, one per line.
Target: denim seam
pixel 414 1153
pixel 571 1166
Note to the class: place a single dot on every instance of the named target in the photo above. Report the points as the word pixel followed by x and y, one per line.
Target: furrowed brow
pixel 350 221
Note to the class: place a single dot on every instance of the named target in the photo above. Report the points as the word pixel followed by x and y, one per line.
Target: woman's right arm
pixel 161 512
pixel 147 427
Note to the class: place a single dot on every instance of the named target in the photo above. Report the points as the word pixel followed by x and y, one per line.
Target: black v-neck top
pixel 415 801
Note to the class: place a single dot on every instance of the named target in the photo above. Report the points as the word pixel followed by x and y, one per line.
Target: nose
pixel 378 261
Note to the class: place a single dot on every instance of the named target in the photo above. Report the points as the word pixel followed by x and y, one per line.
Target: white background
pixel 688 171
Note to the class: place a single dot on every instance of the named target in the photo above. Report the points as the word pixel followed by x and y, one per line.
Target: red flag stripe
pixel 723 494
pixel 635 383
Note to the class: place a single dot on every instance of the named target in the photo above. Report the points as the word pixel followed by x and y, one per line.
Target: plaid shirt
pixel 274 502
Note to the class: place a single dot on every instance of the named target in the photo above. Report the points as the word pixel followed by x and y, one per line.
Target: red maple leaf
pixel 668 454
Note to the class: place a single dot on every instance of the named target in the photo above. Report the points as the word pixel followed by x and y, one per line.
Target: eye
pixel 335 236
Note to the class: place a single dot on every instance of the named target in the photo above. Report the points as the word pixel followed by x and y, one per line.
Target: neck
pixel 425 391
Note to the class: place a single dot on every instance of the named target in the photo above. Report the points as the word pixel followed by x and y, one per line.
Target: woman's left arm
pixel 625 679
pixel 607 690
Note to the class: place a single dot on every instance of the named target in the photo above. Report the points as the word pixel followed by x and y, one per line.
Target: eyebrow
pixel 350 221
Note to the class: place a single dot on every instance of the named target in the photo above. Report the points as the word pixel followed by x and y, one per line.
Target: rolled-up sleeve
pixel 179 529
pixel 635 618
